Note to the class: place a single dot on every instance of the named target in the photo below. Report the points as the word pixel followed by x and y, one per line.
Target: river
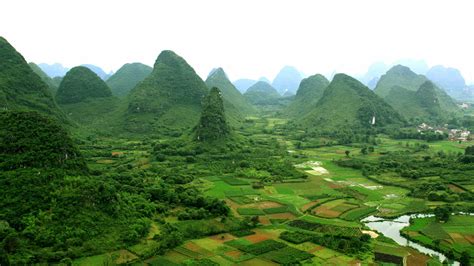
pixel 391 229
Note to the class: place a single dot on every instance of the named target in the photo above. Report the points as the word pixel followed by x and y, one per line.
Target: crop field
pixel 457 233
pixel 328 204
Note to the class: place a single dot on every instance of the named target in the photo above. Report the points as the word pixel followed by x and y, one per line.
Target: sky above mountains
pixel 247 38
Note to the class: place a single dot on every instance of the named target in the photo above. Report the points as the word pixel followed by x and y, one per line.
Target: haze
pixel 247 38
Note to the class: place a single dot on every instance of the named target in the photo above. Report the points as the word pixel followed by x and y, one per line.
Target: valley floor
pixel 333 199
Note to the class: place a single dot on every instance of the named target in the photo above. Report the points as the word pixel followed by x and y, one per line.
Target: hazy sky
pixel 248 38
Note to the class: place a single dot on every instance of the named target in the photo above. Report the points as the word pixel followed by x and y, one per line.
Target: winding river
pixel 391 229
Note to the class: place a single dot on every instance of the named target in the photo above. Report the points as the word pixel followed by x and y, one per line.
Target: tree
pixel 364 150
pixel 465 259
pixel 442 213
pixel 347 152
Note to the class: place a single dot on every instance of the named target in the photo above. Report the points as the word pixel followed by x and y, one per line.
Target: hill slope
pixel 402 77
pixel 127 77
pixel 311 89
pixel 347 103
pixel 231 96
pixel 398 76
pixel 79 84
pixel 32 140
pixel 169 97
pixel 262 93
pixel 44 77
pixel 20 87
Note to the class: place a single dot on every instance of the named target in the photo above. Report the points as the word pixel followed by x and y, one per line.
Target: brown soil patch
pixel 318 248
pixel 258 237
pixel 193 247
pixel 284 216
pixel 417 259
pixel 234 254
pixel 458 238
pixel 263 205
pixel 455 188
pixel 221 238
pixel 413 233
pixel 117 154
pixel 326 212
pixel 233 206
pixel 309 205
pixel 334 185
pixel 469 238
pixel 264 220
pixel 125 256
pixel 354 262
pixel 258 261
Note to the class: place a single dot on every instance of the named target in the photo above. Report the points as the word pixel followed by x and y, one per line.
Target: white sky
pixel 248 38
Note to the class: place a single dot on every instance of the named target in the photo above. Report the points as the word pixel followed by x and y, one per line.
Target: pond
pixel 391 229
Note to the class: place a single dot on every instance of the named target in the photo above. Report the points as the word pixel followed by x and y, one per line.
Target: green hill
pixel 218 78
pixel 262 93
pixel 390 88
pixel 347 103
pixel 212 125
pixel 169 97
pixel 29 139
pixel 79 84
pixel 20 87
pixel 44 77
pixel 311 89
pixel 398 76
pixel 127 77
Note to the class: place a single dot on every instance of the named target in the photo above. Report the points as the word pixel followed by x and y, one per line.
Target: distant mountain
pixel 243 84
pixel 446 77
pixel 346 104
pixel 418 66
pixel 45 78
pixel 374 72
pixel 400 87
pixel 79 84
pixel 288 79
pixel 54 70
pixel 99 71
pixel 262 93
pixel 127 77
pixel 311 89
pixel 373 83
pixel 451 80
pixel 20 87
pixel 398 76
pixel 212 124
pixel 218 78
pixel 169 97
pixel 264 79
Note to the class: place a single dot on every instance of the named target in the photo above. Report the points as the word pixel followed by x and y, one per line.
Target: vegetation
pixel 79 84
pixel 347 103
pixel 233 99
pixel 21 88
pixel 169 97
pixel 262 93
pixel 177 174
pixel 310 90
pixel 127 77
pixel 212 125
